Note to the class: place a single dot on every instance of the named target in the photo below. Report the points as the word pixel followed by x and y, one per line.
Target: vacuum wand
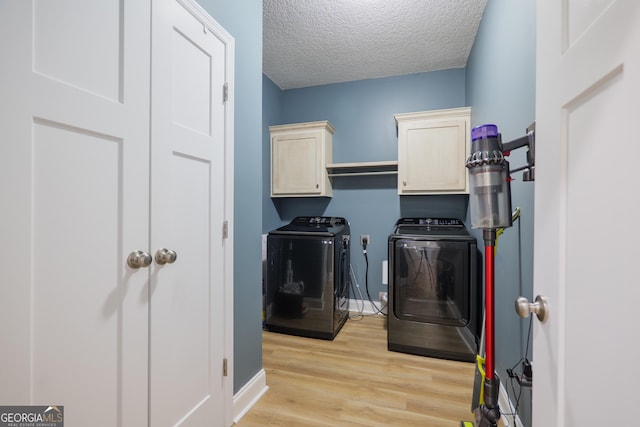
pixel 489 263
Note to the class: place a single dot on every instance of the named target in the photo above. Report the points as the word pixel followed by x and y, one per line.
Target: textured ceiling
pixel 316 42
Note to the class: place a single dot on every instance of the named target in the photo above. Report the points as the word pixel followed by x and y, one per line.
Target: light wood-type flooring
pixel 355 381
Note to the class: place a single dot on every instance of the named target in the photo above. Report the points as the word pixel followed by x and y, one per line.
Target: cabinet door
pixel 295 166
pixel 431 157
pixel 187 313
pixel 74 127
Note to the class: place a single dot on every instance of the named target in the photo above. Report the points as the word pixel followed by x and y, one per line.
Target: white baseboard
pixel 249 395
pixel 364 306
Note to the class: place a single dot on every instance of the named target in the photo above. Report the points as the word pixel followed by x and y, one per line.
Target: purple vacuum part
pixel 484 132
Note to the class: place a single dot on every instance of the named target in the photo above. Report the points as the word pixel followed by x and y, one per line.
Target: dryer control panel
pixel 319 221
pixel 434 222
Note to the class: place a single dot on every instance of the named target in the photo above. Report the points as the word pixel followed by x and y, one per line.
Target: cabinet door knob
pixel 317 185
pixel 137 259
pixel 404 183
pixel 165 256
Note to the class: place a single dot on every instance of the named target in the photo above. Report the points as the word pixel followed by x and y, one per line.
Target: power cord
pixel 355 286
pixel 378 310
pixel 525 377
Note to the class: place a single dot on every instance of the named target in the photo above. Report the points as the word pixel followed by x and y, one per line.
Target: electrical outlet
pixel 385 273
pixel 364 239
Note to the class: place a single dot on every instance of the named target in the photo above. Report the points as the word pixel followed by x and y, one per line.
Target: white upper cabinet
pixel 300 154
pixel 432 150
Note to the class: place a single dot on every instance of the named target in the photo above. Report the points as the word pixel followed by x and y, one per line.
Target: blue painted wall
pixel 272 109
pixel 501 90
pixel 243 20
pixel 362 113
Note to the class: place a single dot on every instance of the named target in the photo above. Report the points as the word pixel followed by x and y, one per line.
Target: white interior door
pixel 586 370
pixel 74 191
pixel 187 386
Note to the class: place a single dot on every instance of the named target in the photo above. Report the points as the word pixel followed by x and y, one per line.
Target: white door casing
pixel 585 255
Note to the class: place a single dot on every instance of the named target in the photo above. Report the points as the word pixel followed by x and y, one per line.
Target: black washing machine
pixel 435 296
pixel 307 292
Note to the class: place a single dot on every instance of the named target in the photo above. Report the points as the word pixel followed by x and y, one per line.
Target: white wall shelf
pixel 363 168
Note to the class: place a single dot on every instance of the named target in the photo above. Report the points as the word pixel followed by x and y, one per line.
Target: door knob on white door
pixel 165 256
pixel 137 259
pixel 540 307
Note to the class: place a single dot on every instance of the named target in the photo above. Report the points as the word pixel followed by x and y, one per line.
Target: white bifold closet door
pixel 105 152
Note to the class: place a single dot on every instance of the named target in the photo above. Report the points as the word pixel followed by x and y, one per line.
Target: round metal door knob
pixel 165 256
pixel 540 307
pixel 137 259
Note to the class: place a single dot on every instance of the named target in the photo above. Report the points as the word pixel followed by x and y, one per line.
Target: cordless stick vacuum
pixel 490 207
